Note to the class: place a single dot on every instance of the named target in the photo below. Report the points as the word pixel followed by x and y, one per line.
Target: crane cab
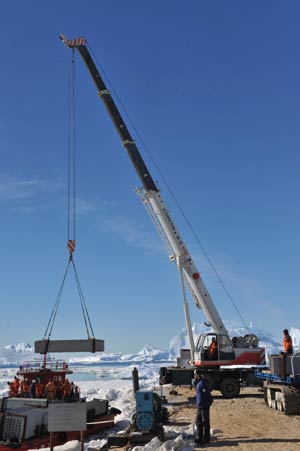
pixel 214 349
pixel 217 349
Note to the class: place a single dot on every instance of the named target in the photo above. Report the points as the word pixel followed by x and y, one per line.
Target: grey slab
pixel 277 362
pixel 67 417
pixel 44 346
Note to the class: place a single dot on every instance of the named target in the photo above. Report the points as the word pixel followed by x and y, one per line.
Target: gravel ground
pixel 243 423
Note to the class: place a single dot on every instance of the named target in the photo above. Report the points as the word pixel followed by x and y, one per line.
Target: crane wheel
pixel 230 388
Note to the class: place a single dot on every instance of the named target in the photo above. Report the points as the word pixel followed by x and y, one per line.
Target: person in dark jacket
pixel 204 401
pixel 33 389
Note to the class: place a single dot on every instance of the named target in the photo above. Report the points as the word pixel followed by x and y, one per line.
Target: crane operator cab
pixel 214 349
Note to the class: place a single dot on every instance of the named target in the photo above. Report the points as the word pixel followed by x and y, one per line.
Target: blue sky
pixel 213 88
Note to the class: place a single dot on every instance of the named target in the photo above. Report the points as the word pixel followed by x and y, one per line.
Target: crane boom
pixel 153 201
pixel 181 255
pixel 126 139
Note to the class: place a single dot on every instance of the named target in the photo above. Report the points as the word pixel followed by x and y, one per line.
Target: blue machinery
pixel 144 411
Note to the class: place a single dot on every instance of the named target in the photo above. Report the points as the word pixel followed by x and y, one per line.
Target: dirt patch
pixel 243 423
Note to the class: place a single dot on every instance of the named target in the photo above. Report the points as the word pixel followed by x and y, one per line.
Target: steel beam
pixel 89 345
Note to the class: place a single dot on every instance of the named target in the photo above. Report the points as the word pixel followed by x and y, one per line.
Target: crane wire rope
pixel 219 278
pixel 55 308
pixel 85 312
pixel 71 152
pixel 71 211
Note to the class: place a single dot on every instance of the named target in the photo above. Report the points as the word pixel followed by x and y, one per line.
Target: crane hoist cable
pixel 71 223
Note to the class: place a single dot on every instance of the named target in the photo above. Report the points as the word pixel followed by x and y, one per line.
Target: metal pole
pixel 135 380
pixel 81 441
pixel 51 442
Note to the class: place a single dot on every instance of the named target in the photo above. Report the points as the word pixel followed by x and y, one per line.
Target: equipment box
pixel 181 376
pixel 282 365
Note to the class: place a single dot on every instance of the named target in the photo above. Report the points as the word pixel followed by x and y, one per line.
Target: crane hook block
pixel 71 246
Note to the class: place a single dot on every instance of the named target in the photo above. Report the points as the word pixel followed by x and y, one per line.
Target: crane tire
pixel 230 387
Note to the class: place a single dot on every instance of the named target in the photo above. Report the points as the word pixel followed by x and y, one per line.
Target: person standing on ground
pixel 287 342
pixel 204 401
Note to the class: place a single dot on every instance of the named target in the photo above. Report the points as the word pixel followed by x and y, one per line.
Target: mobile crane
pixel 236 352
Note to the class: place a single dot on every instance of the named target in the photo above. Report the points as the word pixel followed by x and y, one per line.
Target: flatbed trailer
pixel 227 380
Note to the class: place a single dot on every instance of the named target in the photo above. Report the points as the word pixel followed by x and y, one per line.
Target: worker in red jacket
pixel 287 342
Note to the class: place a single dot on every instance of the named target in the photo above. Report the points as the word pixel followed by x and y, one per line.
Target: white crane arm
pixel 180 255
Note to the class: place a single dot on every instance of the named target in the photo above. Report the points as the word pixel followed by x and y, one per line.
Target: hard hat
pixel 33 381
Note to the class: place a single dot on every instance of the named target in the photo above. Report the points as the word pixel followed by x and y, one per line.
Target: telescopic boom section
pixel 104 93
pixel 177 248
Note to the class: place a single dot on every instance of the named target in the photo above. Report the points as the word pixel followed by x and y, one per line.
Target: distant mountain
pixel 20 348
pixel 149 354
pixel 15 354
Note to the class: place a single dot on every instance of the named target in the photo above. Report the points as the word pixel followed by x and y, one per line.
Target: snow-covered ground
pixel 108 376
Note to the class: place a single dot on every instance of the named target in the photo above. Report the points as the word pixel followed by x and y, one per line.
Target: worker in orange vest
pixel 39 389
pixel 287 342
pixel 213 349
pixel 11 389
pixel 50 390
pixel 16 386
pixel 66 388
pixel 25 388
